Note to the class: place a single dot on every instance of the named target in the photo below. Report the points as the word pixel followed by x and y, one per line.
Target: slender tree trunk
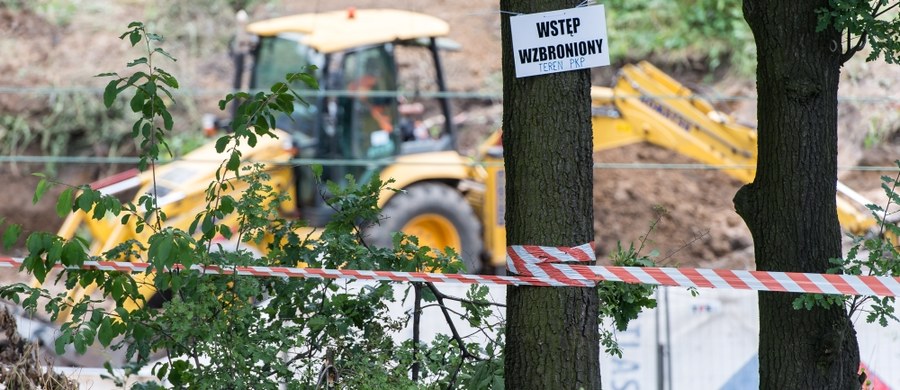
pixel 552 337
pixel 790 206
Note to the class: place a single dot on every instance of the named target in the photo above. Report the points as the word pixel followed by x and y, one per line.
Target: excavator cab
pixel 354 121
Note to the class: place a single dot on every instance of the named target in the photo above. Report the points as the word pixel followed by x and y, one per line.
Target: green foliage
pixel 623 302
pixel 16 133
pixel 882 128
pixel 58 12
pixel 707 30
pixel 75 120
pixel 10 234
pixel 872 22
pixel 874 254
pixel 201 28
pixel 228 331
pixel 61 120
pixel 150 87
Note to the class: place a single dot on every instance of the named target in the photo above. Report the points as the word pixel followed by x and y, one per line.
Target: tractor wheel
pixel 438 215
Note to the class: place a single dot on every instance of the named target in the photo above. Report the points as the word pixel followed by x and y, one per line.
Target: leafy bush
pixel 875 254
pixel 713 31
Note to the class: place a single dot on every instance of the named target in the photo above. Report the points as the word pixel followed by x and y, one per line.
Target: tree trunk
pixel 552 337
pixel 790 206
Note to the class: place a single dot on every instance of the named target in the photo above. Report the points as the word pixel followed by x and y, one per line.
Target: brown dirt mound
pixel 699 227
pixel 21 366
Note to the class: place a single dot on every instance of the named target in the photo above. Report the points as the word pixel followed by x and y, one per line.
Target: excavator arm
pixel 646 105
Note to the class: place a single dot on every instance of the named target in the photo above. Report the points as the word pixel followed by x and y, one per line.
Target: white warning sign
pixel 559 41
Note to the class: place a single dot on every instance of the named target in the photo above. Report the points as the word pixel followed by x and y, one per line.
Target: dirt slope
pixel 698 227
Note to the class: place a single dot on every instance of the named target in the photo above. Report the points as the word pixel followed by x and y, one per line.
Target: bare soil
pixel 697 225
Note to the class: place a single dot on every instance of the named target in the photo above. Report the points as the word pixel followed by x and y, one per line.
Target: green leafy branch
pixel 147 101
pixel 872 22
pixel 875 254
pixel 255 117
pixel 623 302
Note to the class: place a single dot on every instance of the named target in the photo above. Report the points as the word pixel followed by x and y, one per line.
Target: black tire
pixel 432 199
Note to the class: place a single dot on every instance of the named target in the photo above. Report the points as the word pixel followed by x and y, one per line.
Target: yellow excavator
pixel 357 125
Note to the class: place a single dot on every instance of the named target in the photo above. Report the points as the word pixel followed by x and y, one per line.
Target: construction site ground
pixel 699 227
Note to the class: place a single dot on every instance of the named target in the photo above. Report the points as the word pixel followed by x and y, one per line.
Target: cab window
pixel 369 112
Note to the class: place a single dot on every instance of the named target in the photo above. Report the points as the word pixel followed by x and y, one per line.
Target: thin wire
pixel 30 159
pixel 484 95
pixel 584 3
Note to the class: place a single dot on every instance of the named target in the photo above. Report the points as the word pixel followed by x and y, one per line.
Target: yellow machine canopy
pixel 341 30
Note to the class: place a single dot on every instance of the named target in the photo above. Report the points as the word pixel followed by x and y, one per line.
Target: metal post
pixel 442 87
pixel 668 340
pixel 417 317
pixel 660 371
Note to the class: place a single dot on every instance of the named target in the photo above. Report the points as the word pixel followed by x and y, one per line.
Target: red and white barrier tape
pixel 533 260
pixel 575 275
pixel 292 272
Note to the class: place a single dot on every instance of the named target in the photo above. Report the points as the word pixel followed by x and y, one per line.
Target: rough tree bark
pixel 551 333
pixel 790 206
